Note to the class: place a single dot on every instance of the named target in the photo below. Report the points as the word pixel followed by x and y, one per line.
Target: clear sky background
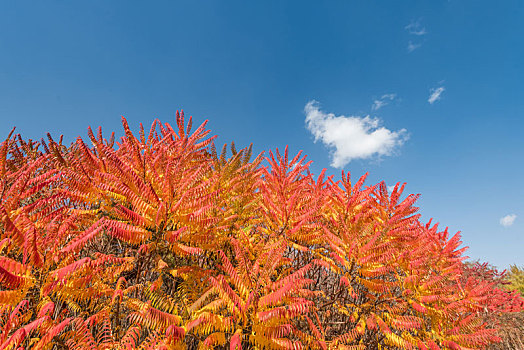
pixel 428 92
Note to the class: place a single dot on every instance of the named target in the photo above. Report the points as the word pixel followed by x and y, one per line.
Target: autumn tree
pixel 157 241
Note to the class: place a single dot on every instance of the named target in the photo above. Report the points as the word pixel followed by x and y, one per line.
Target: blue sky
pixel 251 68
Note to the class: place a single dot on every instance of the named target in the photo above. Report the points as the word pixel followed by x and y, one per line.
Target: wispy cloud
pixel 508 220
pixel 412 47
pixel 434 94
pixel 383 101
pixel 351 137
pixel 416 29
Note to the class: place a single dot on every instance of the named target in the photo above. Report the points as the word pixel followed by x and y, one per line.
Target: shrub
pixel 505 314
pixel 157 241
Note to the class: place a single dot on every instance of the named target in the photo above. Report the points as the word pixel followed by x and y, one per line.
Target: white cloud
pixel 383 101
pixel 435 94
pixel 412 47
pixel 351 137
pixel 415 28
pixel 508 220
pixel 391 188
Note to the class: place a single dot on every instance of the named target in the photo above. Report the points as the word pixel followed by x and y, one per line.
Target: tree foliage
pixel 516 279
pixel 510 324
pixel 159 242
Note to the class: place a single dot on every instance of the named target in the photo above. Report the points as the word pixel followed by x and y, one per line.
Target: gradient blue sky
pixel 251 68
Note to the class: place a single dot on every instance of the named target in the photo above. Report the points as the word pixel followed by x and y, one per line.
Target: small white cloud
pixel 383 101
pixel 352 137
pixel 391 188
pixel 435 94
pixel 415 28
pixel 412 46
pixel 508 220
